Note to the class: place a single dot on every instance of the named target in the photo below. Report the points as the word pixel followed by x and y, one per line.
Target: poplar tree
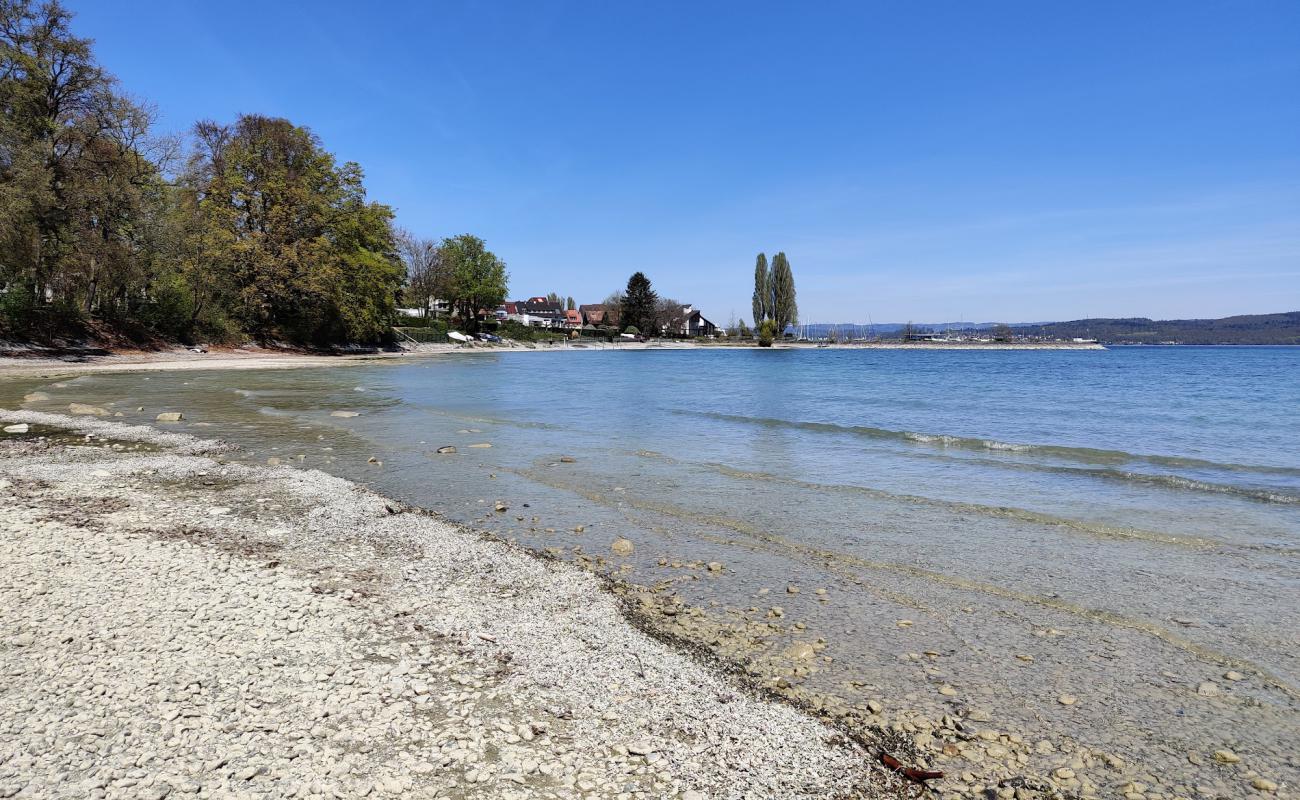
pixel 784 309
pixel 762 292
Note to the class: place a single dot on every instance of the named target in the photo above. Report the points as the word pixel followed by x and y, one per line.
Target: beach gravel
pixel 172 625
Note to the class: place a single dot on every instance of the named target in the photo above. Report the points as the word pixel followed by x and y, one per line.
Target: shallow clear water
pixel 1130 518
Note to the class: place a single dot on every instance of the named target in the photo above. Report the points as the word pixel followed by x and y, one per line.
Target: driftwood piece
pixel 911 773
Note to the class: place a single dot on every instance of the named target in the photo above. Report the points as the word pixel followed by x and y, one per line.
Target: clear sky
pixel 1014 161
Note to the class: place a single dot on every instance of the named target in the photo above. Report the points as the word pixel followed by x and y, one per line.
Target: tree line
pixel 242 229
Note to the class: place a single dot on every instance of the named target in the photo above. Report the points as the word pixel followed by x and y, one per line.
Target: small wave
pixel 1191 484
pixel 1092 455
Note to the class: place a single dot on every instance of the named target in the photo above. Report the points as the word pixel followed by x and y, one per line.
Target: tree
pixel 81 193
pixel 477 279
pixel 260 232
pixel 767 332
pixel 762 292
pixel 638 308
pixel 553 298
pixel 569 305
pixel 907 331
pixel 289 233
pixel 784 310
pixel 668 315
pixel 741 330
pixel 426 275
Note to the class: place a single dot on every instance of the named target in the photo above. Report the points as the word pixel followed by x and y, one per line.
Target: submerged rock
pixel 800 651
pixel 19 428
pixel 170 416
pixel 86 410
pixel 622 547
pixel 344 414
pixel 35 397
pixel 446 450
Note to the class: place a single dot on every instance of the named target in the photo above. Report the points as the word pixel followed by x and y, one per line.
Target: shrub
pixel 766 333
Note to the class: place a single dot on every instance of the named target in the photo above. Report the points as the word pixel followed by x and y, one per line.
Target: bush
pixel 17 308
pixel 170 309
pixel 632 329
pixel 767 333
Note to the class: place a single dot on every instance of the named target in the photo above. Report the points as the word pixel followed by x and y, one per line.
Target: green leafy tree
pixel 260 232
pixel 742 330
pixel 570 305
pixel 762 292
pixel 767 333
pixel 289 235
pixel 783 310
pixel 477 279
pixel 638 308
pixel 81 194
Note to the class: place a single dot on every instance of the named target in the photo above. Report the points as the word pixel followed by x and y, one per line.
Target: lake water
pixel 1120 526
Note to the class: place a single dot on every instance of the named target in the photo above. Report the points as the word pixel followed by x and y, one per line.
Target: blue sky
pixel 915 160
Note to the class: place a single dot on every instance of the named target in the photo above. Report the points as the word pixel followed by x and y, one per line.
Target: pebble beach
pixel 179 626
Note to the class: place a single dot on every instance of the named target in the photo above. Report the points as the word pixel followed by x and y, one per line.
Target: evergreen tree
pixel 762 292
pixel 784 310
pixel 570 305
pixel 639 300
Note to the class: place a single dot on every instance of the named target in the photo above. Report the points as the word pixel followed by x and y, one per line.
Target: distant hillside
pixel 1281 328
pixel 1250 329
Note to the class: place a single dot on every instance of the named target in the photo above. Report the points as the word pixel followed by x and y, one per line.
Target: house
pixel 573 318
pixel 536 312
pixel 437 308
pixel 600 315
pixel 689 322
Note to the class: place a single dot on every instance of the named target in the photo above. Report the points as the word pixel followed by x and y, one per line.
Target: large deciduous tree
pixel 638 308
pixel 476 278
pixel 80 186
pixel 426 273
pixel 289 234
